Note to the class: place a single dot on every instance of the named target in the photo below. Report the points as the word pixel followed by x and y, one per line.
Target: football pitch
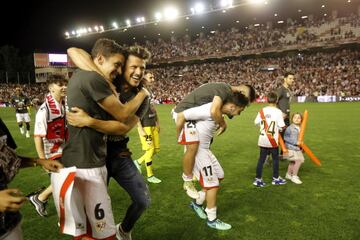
pixel 325 206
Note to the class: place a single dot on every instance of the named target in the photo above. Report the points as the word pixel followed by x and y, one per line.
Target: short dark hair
pixel 272 97
pixel 240 99
pixel 288 73
pixel 139 51
pixel 252 93
pixel 107 48
pixel 56 79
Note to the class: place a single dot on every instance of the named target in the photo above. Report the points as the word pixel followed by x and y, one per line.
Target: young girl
pixel 295 155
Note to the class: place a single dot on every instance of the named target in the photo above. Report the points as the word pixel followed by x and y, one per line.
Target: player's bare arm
pixel 39 145
pixel 141 129
pixel 79 118
pixel 83 60
pixel 122 112
pixel 217 115
pixel 180 121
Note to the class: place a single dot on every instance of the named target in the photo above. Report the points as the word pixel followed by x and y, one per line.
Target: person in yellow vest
pixel 149 129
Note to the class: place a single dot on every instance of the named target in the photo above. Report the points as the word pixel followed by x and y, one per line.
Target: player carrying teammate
pixel 207 168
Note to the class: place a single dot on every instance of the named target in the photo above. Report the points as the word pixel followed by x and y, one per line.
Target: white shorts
pixel 189 133
pixel 207 169
pixel 22 117
pixel 83 203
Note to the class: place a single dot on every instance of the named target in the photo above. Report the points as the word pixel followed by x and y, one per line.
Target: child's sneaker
pixel 27 134
pixel 259 182
pixel 288 176
pixel 199 210
pixel 22 131
pixel 218 224
pixel 153 179
pixel 296 180
pixel 278 181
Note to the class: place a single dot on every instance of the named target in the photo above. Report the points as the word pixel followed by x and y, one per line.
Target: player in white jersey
pixel 271 122
pixel 50 133
pixel 207 168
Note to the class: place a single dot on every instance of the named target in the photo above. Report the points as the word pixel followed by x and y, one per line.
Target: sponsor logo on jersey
pixel 100 226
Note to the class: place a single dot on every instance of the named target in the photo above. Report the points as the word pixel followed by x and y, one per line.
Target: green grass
pixel 325 206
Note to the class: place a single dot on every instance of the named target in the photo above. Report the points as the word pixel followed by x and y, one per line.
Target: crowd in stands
pixel 264 37
pixel 319 73
pixel 322 73
pixel 35 92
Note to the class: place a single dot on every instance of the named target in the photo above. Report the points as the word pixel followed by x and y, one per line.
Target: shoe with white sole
pixel 296 180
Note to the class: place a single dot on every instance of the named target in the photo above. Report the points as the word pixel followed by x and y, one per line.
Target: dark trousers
pixel 275 157
pixel 124 171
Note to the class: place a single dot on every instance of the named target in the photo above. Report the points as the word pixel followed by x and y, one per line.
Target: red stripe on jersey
pixel 65 186
pixel 269 136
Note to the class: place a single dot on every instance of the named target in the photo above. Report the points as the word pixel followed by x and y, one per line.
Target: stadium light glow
pixel 73 32
pixel 96 28
pixel 128 22
pixel 158 16
pixel 140 19
pixel 226 3
pixel 171 13
pixel 198 8
pixel 67 34
pixel 89 29
pixel 102 28
pixel 256 1
pixel 322 6
pixel 115 25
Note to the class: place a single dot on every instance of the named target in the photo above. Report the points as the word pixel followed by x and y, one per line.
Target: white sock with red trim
pixel 187 178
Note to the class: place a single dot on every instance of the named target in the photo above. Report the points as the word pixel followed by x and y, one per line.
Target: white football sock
pixel 211 213
pixel 187 178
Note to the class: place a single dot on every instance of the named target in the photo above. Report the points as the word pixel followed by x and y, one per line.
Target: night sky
pixel 39 26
